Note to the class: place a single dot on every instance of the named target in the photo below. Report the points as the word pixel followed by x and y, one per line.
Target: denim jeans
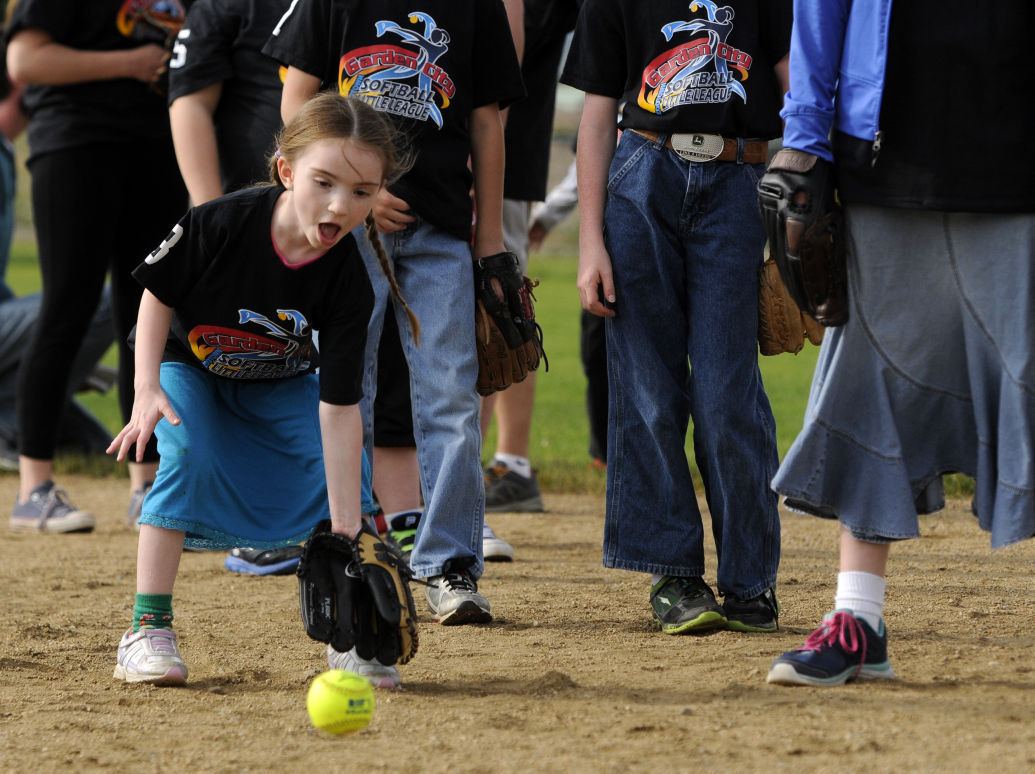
pixel 435 274
pixel 686 243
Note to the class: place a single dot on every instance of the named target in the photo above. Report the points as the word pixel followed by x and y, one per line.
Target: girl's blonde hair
pixel 330 116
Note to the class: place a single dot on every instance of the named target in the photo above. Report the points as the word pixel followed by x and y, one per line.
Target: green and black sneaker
pixel 758 614
pixel 685 606
pixel 402 531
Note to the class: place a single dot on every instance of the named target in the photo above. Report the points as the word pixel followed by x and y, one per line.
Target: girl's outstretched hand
pixel 149 406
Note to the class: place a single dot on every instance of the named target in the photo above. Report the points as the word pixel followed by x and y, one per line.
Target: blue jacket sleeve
pixel 817 46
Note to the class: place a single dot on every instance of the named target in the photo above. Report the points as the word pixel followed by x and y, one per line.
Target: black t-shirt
pixel 426 64
pixel 221 42
pixel 243 313
pixel 958 88
pixel 112 111
pixel 530 121
pixel 681 68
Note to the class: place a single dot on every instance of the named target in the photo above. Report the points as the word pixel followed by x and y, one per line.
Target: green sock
pixel 153 610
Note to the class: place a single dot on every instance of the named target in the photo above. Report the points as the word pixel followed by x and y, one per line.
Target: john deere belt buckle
pixel 697 147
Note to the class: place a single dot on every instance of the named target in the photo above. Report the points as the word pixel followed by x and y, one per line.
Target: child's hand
pixel 144 62
pixel 596 282
pixel 149 406
pixel 390 212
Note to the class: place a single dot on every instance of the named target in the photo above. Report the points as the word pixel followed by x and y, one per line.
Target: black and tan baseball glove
pixel 782 326
pixel 805 227
pixel 509 340
pixel 356 593
pixel 157 22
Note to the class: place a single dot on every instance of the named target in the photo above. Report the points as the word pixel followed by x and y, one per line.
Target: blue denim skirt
pixel 933 373
pixel 245 465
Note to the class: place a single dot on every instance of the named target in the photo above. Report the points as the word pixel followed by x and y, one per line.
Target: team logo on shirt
pixel 401 78
pixel 702 68
pixel 236 353
pixel 150 21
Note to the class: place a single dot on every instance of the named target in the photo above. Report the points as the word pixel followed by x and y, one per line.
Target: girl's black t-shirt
pixel 685 67
pixel 123 110
pixel 954 115
pixel 241 312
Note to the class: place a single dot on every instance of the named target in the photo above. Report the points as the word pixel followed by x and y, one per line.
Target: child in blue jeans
pixel 670 245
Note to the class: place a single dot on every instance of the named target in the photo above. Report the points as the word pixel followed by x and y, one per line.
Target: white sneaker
pixel 453 599
pixel 379 675
pixel 150 656
pixel 495 548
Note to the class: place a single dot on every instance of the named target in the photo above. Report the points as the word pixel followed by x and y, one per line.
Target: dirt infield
pixel 570 677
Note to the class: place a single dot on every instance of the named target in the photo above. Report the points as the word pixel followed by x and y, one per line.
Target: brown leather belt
pixel 755 151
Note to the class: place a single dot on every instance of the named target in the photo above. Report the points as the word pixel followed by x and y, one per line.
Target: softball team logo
pixel 150 20
pixel 402 79
pixel 240 354
pixel 679 76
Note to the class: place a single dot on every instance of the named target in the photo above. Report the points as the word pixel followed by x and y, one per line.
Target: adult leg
pixel 68 194
pixel 17 321
pixel 852 642
pixel 79 429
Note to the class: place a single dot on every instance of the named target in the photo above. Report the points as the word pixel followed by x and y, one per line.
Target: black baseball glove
pixel 355 593
pixel 805 227
pixel 509 340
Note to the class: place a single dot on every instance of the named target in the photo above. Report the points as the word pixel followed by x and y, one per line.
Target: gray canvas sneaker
pixel 48 510
pixel 453 599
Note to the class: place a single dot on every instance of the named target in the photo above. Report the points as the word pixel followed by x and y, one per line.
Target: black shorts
pixel 393 415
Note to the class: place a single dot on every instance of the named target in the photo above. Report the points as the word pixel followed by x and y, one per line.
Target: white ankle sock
pixel 515 464
pixel 863 594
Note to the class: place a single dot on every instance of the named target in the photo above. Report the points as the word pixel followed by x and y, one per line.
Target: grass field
pixel 559 442
pixel 560 430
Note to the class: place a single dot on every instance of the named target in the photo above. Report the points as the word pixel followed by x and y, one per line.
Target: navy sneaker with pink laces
pixel 844 648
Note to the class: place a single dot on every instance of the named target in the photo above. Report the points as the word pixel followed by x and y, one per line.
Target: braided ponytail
pixel 386 267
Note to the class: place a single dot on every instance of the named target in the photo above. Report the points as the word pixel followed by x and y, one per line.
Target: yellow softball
pixel 340 702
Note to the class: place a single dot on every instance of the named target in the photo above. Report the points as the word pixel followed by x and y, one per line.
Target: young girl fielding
pixel 238 287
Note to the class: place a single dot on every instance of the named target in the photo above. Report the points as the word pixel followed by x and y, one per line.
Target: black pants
pixel 97 208
pixel 393 413
pixel 593 352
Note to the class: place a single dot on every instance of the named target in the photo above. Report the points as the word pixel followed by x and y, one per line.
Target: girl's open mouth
pixel 329 233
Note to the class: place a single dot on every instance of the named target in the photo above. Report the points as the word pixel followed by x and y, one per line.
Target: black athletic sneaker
pixel 255 561
pixel 507 491
pixel 758 614
pixel 685 606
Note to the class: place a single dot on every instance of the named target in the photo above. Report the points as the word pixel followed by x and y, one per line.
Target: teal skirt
pixel 245 465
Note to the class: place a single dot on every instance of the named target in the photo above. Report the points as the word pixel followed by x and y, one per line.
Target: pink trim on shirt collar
pixel 285 261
